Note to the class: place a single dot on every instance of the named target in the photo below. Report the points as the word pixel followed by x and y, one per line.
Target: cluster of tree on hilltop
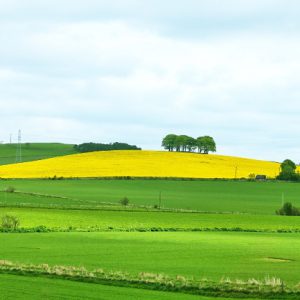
pixel 184 143
pixel 89 147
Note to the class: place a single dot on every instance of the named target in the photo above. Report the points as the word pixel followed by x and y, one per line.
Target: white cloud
pixel 113 80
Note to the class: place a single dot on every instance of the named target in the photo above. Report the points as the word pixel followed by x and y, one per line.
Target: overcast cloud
pixel 134 70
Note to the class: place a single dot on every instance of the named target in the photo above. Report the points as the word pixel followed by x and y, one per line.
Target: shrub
pixel 124 201
pixel 251 176
pixel 288 210
pixel 10 222
pixel 10 189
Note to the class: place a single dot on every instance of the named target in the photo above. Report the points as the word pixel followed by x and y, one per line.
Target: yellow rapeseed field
pixel 141 164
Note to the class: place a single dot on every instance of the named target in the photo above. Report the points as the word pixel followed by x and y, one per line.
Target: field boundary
pixel 171 178
pixel 45 229
pixel 268 287
pixel 110 206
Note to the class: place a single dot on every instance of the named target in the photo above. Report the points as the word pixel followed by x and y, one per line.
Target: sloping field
pixel 141 164
pixel 33 151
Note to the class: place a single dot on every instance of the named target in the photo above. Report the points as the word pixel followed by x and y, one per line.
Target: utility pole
pixel 282 198
pixel 10 138
pixel 19 148
pixel 235 173
pixel 159 200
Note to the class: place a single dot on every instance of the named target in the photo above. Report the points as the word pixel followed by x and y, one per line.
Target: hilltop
pixel 34 151
pixel 141 164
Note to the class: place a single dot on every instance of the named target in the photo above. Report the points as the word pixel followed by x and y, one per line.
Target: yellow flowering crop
pixel 141 164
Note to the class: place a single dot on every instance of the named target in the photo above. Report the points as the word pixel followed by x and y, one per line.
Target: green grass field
pixel 33 151
pixel 205 254
pixel 20 287
pixel 92 205
pixel 102 219
pixel 208 196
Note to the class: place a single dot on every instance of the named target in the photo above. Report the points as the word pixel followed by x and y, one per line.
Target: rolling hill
pixel 33 151
pixel 141 164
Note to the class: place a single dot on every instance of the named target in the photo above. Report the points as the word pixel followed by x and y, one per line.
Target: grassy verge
pixel 269 287
pixel 16 287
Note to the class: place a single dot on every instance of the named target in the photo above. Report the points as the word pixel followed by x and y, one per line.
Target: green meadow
pixel 127 219
pixel 206 196
pixel 212 255
pixel 203 229
pixel 20 287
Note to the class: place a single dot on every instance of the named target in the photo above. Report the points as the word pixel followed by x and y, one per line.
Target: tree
pixel 10 222
pixel 288 210
pixel 169 142
pixel 206 144
pixel 184 143
pixel 124 201
pixel 179 143
pixel 89 147
pixel 191 144
pixel 288 171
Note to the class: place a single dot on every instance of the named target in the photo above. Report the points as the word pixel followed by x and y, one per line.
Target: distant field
pixel 125 220
pixel 33 151
pixel 206 254
pixel 141 164
pixel 208 196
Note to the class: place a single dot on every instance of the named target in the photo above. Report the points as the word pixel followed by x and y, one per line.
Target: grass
pixel 211 255
pixel 101 219
pixel 141 164
pixel 14 287
pixel 268 287
pixel 209 196
pixel 33 151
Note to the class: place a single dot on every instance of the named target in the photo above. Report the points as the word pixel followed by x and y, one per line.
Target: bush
pixel 124 201
pixel 252 177
pixel 288 210
pixel 10 222
pixel 10 189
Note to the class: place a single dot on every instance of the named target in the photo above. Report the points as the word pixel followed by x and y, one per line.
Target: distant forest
pixel 89 147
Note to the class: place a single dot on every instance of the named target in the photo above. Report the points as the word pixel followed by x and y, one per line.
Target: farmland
pixel 19 287
pixel 33 151
pixel 222 233
pixel 141 164
pixel 158 252
pixel 206 196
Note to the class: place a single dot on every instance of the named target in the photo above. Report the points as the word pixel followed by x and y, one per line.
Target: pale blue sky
pixel 135 70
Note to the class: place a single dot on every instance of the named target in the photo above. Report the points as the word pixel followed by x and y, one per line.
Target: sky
pixel 133 71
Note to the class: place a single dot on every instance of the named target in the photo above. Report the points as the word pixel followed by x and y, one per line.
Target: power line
pixel 19 148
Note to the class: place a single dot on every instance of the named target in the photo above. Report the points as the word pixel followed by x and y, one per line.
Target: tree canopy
pixel 288 171
pixel 184 143
pixel 89 147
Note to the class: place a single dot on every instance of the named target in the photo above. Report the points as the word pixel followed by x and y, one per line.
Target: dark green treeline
pixel 184 143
